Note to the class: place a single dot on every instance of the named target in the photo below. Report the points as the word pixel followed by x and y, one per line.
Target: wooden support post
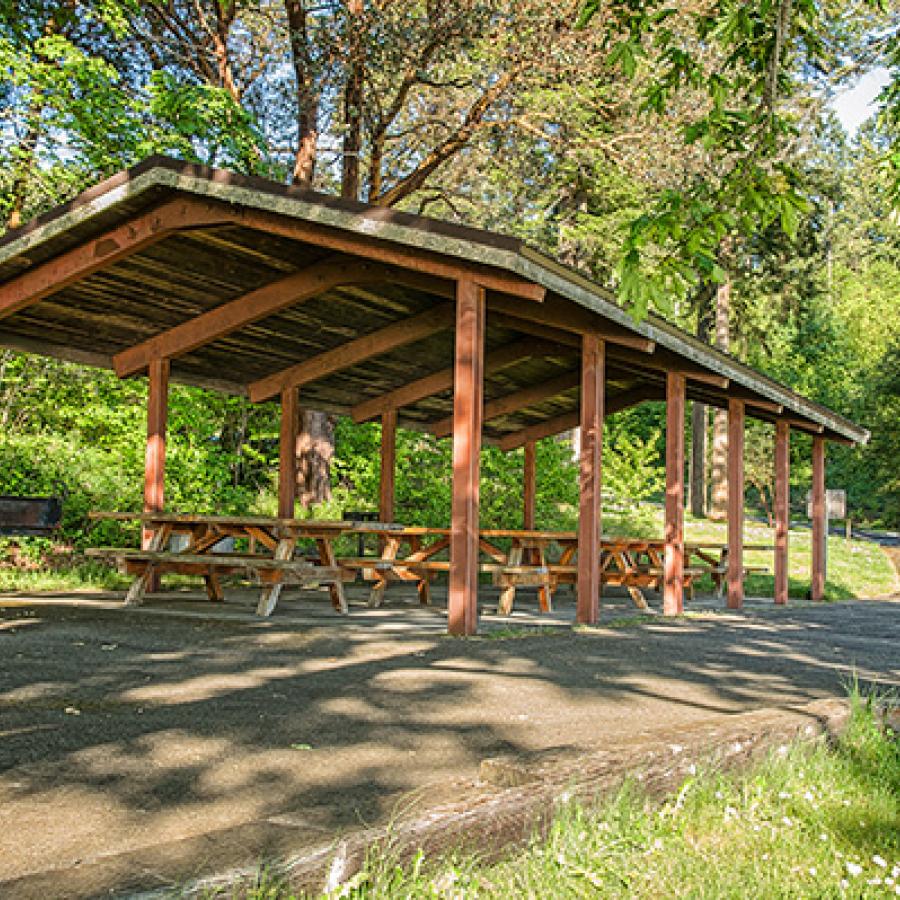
pixel 782 508
pixel 817 588
pixel 592 393
pixel 468 400
pixel 155 454
pixel 735 503
pixel 529 485
pixel 287 452
pixel 388 465
pixel 673 563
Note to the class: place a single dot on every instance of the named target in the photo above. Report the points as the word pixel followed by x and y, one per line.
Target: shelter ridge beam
pixel 345 356
pixel 386 252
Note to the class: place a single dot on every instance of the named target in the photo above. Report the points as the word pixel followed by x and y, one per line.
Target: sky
pixel 856 104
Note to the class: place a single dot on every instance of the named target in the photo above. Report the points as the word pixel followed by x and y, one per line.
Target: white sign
pixel 835 504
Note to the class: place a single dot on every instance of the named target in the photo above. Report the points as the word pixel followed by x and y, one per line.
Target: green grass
pixel 80 576
pixel 855 568
pixel 809 821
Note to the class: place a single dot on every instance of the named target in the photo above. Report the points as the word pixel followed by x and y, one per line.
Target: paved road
pixel 195 741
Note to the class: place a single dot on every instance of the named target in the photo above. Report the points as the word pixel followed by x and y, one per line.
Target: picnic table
pixel 272 551
pixel 278 551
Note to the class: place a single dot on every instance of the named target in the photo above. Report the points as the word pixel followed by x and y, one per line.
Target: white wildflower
pixel 787 821
pixel 879 861
pixel 784 795
pixel 854 868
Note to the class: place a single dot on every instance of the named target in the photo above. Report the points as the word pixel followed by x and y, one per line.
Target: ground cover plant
pixel 811 820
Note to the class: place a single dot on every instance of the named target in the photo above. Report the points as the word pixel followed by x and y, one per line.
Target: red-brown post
pixel 155 453
pixel 817 588
pixel 388 465
pixel 529 485
pixel 468 401
pixel 782 508
pixel 673 565
pixel 735 504
pixel 287 455
pixel 592 395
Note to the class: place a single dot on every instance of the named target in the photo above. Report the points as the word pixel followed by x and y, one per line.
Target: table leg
pixel 389 553
pixel 508 594
pixel 214 587
pixel 335 588
pixel 138 588
pixel 270 594
pixel 545 592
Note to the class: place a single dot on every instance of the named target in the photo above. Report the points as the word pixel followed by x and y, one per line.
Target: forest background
pixel 686 154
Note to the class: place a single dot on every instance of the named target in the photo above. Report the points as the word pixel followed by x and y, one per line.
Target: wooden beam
pixel 265 301
pixel 130 237
pixel 388 465
pixel 805 425
pixel 735 504
pixel 673 564
pixel 462 602
pixel 782 509
pixel 817 588
pixel 442 380
pixel 570 317
pixel 397 334
pixel 510 403
pixel 529 485
pixel 568 421
pixel 287 452
pixel 370 247
pixel 592 390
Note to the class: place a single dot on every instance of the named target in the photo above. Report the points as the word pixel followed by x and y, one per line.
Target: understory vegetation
pixel 810 820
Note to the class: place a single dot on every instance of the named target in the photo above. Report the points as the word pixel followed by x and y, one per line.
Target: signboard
pixel 835 504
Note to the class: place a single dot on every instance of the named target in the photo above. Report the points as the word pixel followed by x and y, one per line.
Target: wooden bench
pixel 145 563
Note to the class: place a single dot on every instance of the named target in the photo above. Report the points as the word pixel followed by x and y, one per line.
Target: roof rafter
pixel 575 319
pixel 291 290
pixel 518 400
pixel 568 421
pixel 132 236
pixel 345 356
pixel 442 380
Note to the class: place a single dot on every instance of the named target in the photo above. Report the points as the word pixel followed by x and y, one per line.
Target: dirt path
pixel 201 742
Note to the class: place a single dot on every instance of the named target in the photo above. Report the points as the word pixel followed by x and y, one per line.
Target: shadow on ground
pixel 127 729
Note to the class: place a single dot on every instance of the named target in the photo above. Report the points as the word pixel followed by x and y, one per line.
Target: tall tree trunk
pixel 307 95
pixel 315 448
pixel 353 99
pixel 699 415
pixel 719 479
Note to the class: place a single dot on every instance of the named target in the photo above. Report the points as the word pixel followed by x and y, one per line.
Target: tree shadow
pixel 137 727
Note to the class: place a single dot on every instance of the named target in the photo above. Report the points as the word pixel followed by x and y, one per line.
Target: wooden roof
pixel 137 259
